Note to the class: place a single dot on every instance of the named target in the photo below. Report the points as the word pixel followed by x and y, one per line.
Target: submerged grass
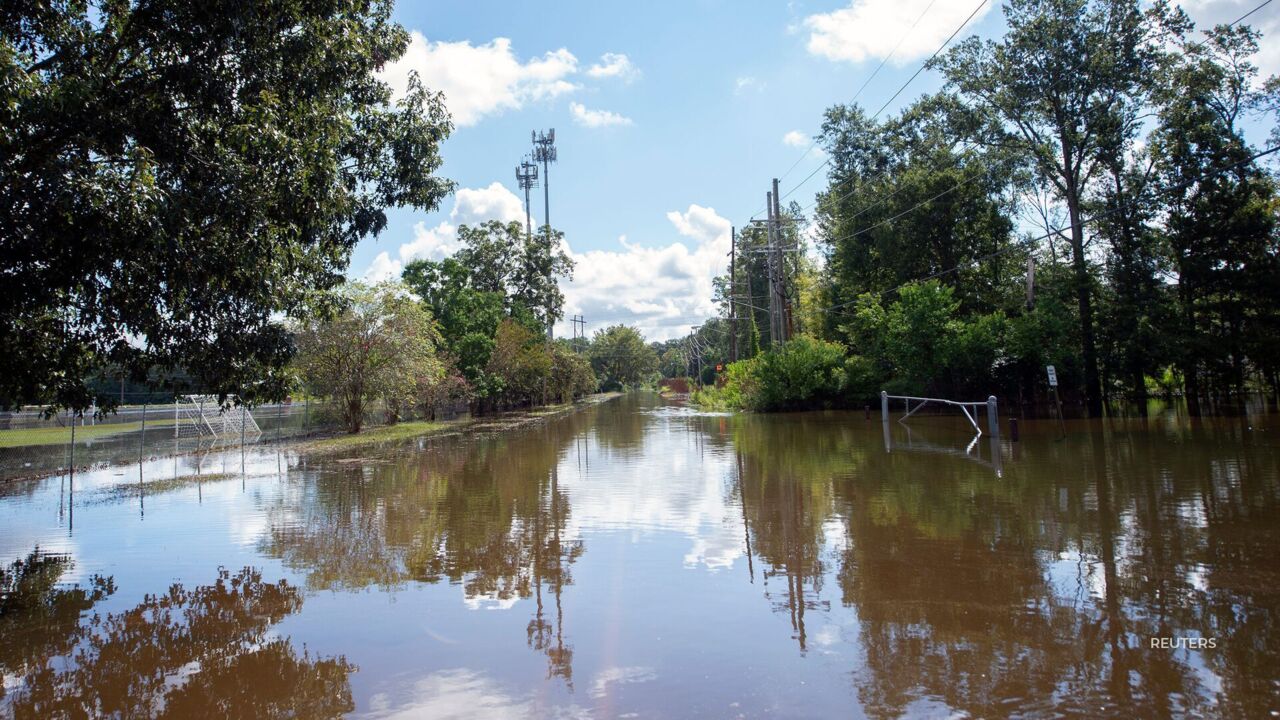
pixel 439 428
pixel 386 433
pixel 23 437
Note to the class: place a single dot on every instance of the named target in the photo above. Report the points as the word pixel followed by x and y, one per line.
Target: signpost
pixel 1053 383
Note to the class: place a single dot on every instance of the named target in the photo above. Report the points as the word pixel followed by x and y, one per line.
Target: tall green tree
pixel 910 199
pixel 176 176
pixel 468 317
pixel 381 345
pixel 1221 225
pixel 526 270
pixel 620 357
pixel 1058 86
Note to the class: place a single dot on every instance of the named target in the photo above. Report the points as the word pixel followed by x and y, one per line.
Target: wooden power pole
pixel 733 291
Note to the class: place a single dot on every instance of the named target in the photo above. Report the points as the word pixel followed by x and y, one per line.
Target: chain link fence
pixel 33 443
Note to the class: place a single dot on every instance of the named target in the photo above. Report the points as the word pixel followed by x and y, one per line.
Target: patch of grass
pixel 23 437
pixel 160 486
pixel 386 433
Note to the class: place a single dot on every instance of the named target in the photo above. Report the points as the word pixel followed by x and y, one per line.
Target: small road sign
pixel 1053 376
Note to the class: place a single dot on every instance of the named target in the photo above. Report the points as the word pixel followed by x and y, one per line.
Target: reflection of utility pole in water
pixel 562 658
pixel 795 574
pixel 746 529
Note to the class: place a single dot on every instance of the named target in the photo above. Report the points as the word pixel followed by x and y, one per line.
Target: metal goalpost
pixel 203 416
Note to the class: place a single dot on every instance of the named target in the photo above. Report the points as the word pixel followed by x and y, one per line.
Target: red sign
pixel 719 368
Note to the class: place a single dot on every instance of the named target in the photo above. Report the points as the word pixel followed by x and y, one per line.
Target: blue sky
pixel 671 118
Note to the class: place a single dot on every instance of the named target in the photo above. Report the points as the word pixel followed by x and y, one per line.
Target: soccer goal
pixel 203 416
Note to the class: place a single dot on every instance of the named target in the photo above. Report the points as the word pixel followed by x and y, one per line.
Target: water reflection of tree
pixel 786 468
pixel 487 515
pixel 957 575
pixel 205 651
pixel 39 619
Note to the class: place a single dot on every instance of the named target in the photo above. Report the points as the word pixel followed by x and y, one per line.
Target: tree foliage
pixel 381 345
pixel 621 359
pixel 176 176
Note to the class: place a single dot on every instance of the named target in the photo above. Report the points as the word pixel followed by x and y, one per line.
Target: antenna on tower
pixel 527 179
pixel 544 151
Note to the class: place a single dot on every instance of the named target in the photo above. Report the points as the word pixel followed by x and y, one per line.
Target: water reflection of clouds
pixel 464 693
pixel 681 486
pixel 460 693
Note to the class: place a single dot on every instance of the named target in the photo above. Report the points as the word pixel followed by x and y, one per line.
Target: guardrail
pixel 970 409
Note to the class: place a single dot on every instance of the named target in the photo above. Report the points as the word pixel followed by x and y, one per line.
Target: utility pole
pixel 579 330
pixel 733 291
pixel 771 252
pixel 784 306
pixel 527 179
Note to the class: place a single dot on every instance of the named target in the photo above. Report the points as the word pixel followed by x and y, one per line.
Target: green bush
pixel 804 373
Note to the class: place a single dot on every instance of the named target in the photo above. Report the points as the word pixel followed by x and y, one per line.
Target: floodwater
pixel 638 559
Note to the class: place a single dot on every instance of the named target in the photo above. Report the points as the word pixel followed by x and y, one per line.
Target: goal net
pixel 203 416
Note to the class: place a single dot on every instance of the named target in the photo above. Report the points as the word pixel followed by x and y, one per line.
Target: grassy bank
pixel 439 428
pixel 23 437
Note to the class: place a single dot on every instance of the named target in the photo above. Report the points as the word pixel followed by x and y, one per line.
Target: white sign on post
pixel 1053 376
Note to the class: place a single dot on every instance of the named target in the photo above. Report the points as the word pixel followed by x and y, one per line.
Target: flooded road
pixel 637 559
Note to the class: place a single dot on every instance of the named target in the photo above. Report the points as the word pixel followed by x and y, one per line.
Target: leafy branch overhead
pixel 176 177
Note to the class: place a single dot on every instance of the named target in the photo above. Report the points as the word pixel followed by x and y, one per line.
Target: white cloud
pixel 747 82
pixel 382 268
pixel 479 80
pixel 471 206
pixel 614 65
pixel 872 29
pixel 596 118
pixel 796 139
pixel 663 290
pixel 496 202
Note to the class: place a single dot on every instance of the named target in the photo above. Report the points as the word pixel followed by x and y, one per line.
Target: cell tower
pixel 527 179
pixel 544 151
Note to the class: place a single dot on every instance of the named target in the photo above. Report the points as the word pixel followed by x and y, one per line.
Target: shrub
pixel 804 373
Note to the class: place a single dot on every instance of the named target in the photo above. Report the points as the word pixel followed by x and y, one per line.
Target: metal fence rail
pixel 970 409
pixel 33 443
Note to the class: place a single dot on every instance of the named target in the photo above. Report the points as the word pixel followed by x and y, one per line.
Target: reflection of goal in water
pixel 202 416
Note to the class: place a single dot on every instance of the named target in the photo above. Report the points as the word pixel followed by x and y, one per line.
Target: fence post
pixel 142 437
pixel 993 417
pixel 884 404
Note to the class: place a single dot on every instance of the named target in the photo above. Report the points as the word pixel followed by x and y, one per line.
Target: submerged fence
pixel 33 443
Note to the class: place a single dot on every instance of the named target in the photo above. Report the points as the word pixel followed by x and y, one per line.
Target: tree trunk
pixel 1084 299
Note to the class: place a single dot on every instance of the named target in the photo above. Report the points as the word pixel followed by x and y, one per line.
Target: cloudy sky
pixel 670 118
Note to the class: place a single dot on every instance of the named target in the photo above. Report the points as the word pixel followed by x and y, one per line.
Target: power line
pixel 904 85
pixel 970 179
pixel 1052 233
pixel 895 193
pixel 856 95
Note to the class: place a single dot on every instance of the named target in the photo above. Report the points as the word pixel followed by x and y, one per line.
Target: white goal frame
pixel 203 416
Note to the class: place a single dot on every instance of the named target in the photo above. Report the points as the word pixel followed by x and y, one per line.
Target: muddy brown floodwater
pixel 638 559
